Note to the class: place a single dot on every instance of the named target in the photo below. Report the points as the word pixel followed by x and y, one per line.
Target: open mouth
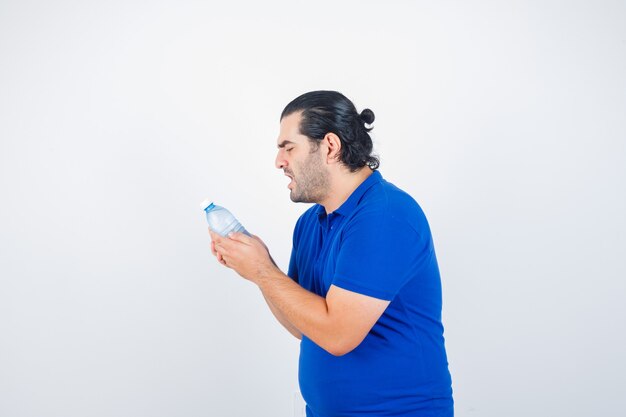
pixel 290 176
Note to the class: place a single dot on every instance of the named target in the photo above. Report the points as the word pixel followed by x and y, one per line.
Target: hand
pixel 247 255
pixel 213 251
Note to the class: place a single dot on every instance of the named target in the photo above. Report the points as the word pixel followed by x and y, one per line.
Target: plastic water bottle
pixel 220 220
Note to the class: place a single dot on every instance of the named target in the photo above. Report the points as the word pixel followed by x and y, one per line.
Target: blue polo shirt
pixel 378 243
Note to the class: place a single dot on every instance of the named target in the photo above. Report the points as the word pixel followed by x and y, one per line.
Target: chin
pixel 296 198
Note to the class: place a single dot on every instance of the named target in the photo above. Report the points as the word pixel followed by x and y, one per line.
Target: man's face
pixel 302 162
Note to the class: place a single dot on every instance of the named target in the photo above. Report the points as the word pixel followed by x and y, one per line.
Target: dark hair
pixel 326 112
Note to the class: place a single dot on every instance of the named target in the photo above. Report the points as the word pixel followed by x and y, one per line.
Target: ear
pixel 333 147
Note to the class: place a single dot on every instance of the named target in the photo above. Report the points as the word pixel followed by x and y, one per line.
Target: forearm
pixel 282 319
pixel 279 316
pixel 304 310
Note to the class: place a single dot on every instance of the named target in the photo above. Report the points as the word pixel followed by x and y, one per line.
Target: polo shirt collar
pixel 350 204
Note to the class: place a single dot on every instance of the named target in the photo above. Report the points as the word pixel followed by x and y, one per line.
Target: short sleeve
pixel 292 271
pixel 379 253
pixel 293 267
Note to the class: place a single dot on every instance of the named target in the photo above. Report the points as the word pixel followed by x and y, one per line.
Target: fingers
pixel 240 237
pixel 216 247
pixel 236 236
pixel 215 240
pixel 222 246
pixel 222 241
pixel 219 254
pixel 214 236
pixel 218 242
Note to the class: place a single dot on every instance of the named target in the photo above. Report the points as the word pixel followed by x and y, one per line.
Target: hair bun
pixel 367 116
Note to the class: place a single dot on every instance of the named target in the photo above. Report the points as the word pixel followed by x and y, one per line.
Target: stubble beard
pixel 312 184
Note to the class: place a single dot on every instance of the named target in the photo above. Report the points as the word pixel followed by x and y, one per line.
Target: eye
pixel 289 149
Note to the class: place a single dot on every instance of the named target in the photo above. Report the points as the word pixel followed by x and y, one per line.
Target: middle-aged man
pixel 363 291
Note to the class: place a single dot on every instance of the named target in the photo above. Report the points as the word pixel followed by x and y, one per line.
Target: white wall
pixel 505 120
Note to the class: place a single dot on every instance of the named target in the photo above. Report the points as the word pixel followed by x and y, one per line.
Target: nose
pixel 280 161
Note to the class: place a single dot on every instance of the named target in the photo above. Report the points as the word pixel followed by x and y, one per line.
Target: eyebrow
pixel 285 143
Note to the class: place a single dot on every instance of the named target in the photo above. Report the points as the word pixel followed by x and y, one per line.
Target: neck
pixel 342 186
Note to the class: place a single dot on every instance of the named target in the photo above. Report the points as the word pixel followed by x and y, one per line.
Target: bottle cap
pixel 206 203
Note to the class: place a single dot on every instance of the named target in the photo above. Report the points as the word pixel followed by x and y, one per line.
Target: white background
pixel 505 120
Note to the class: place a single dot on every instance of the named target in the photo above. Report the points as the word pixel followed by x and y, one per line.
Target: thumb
pixel 258 239
pixel 240 237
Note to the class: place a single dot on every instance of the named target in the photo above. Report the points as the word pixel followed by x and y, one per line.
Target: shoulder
pixel 386 203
